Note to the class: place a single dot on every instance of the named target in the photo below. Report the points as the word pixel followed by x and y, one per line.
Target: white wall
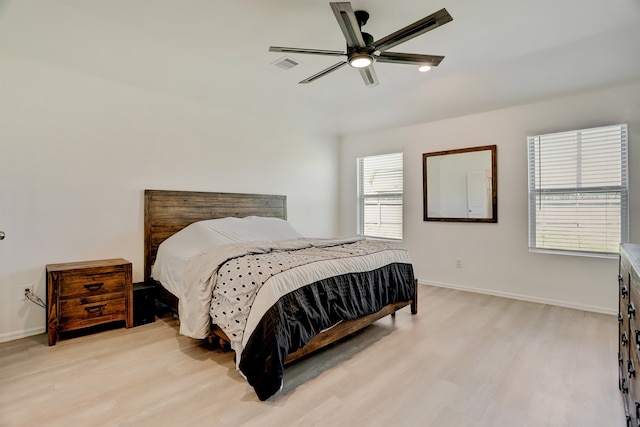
pixel 77 152
pixel 495 258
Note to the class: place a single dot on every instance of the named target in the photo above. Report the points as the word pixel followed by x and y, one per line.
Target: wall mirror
pixel 461 185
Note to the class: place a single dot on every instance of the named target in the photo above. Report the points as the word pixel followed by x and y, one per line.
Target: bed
pixel 286 320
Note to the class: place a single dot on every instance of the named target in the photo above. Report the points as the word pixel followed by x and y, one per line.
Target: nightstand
pixel 88 293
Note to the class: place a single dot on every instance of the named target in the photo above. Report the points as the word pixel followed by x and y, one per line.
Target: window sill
pixel 382 239
pixel 574 253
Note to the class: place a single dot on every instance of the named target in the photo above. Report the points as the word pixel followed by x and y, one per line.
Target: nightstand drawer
pixel 91 284
pixel 94 310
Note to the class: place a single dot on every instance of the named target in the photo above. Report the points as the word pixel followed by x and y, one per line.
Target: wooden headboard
pixel 166 212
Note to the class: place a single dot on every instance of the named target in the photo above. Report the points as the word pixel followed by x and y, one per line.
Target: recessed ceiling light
pixel 424 68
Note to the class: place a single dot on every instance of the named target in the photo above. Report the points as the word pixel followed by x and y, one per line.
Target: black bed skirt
pixel 302 314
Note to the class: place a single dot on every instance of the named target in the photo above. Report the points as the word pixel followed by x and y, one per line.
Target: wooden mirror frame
pixel 493 217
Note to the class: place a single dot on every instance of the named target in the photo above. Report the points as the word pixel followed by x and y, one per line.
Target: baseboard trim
pixel 529 298
pixel 10 336
pixel 16 335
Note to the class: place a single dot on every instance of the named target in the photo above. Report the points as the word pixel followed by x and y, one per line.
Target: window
pixel 578 189
pixel 380 196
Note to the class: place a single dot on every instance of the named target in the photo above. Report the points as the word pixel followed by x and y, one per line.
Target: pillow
pixel 251 229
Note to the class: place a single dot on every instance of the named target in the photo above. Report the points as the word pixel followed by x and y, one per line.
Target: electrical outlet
pixel 458 263
pixel 24 289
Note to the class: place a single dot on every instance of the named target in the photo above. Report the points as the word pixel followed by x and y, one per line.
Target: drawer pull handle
pixel 95 308
pixel 620 317
pixel 93 286
pixel 623 338
pixel 631 369
pixel 631 309
pixel 619 278
pixel 624 292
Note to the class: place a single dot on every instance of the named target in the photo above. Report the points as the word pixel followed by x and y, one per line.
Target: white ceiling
pixel 498 53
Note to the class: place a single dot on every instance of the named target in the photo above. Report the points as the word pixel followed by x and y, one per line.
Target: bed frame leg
pixel 414 303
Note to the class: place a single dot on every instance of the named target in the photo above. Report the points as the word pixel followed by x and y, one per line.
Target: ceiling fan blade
pixel 421 26
pixel 306 51
pixel 369 76
pixel 324 72
pixel 409 58
pixel 348 24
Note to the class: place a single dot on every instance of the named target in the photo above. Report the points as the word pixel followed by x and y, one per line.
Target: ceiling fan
pixel 362 51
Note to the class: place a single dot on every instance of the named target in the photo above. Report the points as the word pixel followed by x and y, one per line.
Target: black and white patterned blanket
pixel 271 298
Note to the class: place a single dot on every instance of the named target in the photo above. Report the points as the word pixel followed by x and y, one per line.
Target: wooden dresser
pixel 629 331
pixel 88 293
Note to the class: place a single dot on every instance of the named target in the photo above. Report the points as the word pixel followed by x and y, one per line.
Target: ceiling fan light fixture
pixel 362 50
pixel 360 60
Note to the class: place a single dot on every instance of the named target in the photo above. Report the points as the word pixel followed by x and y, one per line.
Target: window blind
pixel 578 190
pixel 380 181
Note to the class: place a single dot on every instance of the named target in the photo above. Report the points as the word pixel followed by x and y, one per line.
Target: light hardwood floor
pixel 465 360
